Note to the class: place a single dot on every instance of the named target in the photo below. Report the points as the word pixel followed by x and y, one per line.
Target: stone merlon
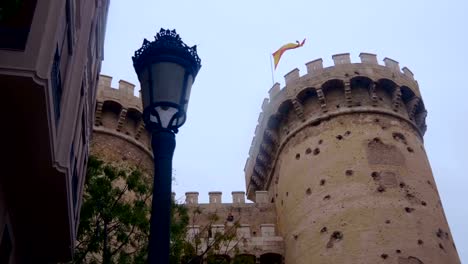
pixel 291 76
pixel 127 87
pixel 191 198
pixel 368 58
pixel 215 197
pixel 124 94
pixel 392 64
pixel 238 197
pixel 314 66
pixel 274 90
pixel 340 59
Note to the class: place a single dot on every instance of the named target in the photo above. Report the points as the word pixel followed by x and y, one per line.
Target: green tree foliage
pixel 114 219
pixel 114 222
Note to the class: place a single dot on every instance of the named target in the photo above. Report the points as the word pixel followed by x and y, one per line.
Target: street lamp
pixel 166 69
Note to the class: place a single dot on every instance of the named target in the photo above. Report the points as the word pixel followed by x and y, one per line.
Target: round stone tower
pixel 119 135
pixel 340 152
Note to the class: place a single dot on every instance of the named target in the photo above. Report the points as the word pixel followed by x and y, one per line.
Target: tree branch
pixel 124 243
pixel 122 192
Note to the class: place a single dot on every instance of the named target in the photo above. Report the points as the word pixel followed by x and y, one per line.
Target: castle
pixel 337 169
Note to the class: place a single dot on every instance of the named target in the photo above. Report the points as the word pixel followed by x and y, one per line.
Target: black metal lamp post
pixel 166 69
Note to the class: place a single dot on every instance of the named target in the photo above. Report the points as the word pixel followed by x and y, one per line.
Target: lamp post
pixel 166 69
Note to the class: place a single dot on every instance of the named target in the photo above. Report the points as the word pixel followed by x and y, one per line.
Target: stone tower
pixel 119 135
pixel 340 152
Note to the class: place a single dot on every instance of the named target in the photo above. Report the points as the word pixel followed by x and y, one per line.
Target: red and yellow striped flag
pixel 277 54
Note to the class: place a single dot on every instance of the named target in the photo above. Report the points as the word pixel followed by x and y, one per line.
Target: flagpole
pixel 272 75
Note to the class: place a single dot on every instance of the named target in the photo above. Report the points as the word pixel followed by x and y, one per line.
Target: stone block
pixel 267 230
pixel 368 58
pixel 408 73
pixel 215 197
pixel 191 198
pixel 314 66
pixel 291 76
pixel 392 64
pixel 243 231
pixel 261 197
pixel 238 197
pixel 105 81
pixel 342 58
pixel 260 118
pixel 217 229
pixel 265 104
pixel 274 90
pixel 126 88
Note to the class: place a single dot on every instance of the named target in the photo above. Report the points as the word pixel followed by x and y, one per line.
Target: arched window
pixel 110 114
pixel 384 90
pixel 361 94
pixel 334 93
pixel 132 122
pixel 308 98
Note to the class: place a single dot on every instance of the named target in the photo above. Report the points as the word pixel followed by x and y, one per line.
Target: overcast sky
pixel 235 40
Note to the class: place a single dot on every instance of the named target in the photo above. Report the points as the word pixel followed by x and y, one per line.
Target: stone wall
pixel 120 151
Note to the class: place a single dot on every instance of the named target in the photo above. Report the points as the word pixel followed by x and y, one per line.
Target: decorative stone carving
pixel 297 106
pixel 321 99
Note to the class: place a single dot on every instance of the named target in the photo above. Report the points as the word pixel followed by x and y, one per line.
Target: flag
pixel 277 54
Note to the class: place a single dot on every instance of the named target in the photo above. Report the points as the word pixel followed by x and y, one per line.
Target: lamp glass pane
pixel 187 93
pixel 168 80
pixel 143 77
pixel 181 120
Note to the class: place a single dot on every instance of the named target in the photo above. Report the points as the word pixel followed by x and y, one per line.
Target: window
pixel 56 82
pixel 15 23
pixel 75 185
pixel 83 128
pixel 70 15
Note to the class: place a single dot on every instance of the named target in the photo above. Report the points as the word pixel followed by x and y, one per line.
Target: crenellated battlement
pixel 343 67
pixel 123 94
pixel 215 199
pixel 253 223
pixel 325 92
